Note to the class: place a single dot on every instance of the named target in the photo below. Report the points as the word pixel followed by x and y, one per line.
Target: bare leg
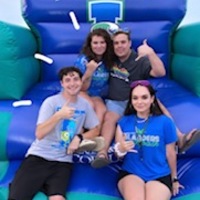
pixel 108 132
pixel 132 187
pixel 100 108
pixel 56 197
pixel 98 105
pixel 162 191
pixel 108 128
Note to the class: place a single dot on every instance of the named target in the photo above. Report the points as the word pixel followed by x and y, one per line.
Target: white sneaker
pixel 100 143
pixel 86 145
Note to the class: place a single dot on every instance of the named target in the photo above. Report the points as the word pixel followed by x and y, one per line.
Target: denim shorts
pixel 116 106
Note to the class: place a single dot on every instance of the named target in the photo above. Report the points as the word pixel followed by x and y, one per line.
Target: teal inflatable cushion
pixel 5 119
pixel 185 68
pixel 19 69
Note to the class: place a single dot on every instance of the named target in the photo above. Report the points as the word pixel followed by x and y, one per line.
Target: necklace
pixel 139 134
pixel 141 120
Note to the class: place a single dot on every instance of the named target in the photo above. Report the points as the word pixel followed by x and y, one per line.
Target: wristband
pixel 80 136
pixel 118 152
pixel 175 179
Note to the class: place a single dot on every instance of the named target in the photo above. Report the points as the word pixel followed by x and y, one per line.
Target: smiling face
pixel 122 46
pixel 142 100
pixel 71 84
pixel 98 45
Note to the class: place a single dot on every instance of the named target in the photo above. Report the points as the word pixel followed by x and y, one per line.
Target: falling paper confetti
pixel 74 20
pixel 22 103
pixel 43 58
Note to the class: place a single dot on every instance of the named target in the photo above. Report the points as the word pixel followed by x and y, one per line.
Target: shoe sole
pixel 100 143
pixel 86 145
pixel 99 162
pixel 188 144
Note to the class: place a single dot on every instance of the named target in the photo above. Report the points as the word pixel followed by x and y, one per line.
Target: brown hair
pixel 69 70
pixel 108 57
pixel 121 31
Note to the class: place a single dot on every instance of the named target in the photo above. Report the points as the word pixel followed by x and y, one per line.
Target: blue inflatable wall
pixel 52 30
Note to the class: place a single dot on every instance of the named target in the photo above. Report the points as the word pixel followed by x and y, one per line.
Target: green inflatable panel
pixel 41 196
pixel 5 118
pixel 19 69
pixel 185 67
pixel 70 196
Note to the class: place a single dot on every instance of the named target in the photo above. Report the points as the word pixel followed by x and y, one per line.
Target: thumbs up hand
pixel 144 50
pixel 66 112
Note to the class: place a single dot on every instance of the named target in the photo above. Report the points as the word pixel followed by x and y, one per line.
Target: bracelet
pixel 175 179
pixel 80 136
pixel 118 152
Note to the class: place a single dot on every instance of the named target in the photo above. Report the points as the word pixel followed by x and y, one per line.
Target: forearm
pixel 45 128
pixel 172 160
pixel 90 134
pixel 158 69
pixel 87 77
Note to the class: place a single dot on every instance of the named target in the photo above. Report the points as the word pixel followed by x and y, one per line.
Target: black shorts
pixel 166 180
pixel 37 174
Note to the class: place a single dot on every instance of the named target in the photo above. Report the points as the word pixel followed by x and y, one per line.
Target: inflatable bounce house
pixel 52 33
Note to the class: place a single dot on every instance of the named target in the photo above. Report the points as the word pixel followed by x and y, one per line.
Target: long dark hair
pixel 109 56
pixel 154 109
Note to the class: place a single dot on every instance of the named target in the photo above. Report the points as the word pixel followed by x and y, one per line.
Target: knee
pixel 101 108
pixel 111 117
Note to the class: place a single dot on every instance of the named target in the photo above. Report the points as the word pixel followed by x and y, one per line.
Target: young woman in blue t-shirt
pixel 146 138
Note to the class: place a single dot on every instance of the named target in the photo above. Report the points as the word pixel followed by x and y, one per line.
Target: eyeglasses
pixel 140 82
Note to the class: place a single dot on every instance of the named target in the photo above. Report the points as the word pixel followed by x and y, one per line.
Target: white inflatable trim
pixel 74 20
pixel 22 103
pixel 43 58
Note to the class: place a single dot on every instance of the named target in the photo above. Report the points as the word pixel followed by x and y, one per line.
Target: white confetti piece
pixel 22 103
pixel 74 20
pixel 43 58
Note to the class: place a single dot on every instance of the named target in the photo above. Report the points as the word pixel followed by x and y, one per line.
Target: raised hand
pixel 66 112
pixel 144 50
pixel 176 188
pixel 73 145
pixel 92 65
pixel 126 146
